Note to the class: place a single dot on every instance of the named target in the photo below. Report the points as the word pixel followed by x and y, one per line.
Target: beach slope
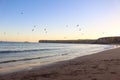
pixel 100 66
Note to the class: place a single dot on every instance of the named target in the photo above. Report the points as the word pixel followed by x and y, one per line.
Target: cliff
pixel 104 40
pixel 108 40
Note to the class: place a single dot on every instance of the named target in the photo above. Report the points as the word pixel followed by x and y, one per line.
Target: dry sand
pixel 101 66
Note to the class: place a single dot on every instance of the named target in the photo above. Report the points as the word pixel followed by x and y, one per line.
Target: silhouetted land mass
pixel 67 41
pixel 108 40
pixel 103 40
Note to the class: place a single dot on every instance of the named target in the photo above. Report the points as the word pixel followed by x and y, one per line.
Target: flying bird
pixel 66 25
pixel 77 25
pixel 45 30
pixel 4 33
pixel 79 29
pixel 32 29
pixel 65 37
pixel 21 13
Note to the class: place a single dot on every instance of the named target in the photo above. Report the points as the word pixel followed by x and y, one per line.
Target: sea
pixel 16 56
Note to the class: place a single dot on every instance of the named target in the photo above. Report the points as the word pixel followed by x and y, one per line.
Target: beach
pixel 104 65
pixel 60 40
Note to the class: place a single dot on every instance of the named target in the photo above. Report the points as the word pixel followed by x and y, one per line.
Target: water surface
pixel 14 56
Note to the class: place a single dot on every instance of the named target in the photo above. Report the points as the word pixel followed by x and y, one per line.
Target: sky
pixel 33 20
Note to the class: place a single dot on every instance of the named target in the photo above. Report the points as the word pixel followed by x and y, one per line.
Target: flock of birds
pixel 45 29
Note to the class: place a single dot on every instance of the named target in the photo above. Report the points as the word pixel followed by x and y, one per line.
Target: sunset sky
pixel 33 20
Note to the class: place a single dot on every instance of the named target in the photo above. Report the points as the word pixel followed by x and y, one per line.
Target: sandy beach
pixel 101 66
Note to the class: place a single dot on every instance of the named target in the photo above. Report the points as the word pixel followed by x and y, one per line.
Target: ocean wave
pixel 26 59
pixel 20 51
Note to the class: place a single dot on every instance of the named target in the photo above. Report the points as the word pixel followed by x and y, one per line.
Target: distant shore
pixel 103 40
pixel 101 66
pixel 68 41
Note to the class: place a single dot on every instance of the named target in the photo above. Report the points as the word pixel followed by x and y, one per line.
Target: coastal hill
pixel 109 40
pixel 103 40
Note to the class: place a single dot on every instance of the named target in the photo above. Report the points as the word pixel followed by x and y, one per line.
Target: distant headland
pixel 103 40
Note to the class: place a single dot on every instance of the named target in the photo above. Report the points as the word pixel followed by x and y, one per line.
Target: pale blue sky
pixel 96 18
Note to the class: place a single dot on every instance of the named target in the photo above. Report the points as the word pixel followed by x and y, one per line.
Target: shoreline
pixel 86 66
pixel 4 69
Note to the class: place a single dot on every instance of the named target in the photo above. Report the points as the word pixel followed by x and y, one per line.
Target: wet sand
pixel 101 66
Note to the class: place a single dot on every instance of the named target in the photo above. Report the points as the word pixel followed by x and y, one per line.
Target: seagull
pixel 45 29
pixel 77 25
pixel 32 29
pixel 66 25
pixel 46 32
pixel 65 37
pixel 79 29
pixel 21 13
pixel 4 33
